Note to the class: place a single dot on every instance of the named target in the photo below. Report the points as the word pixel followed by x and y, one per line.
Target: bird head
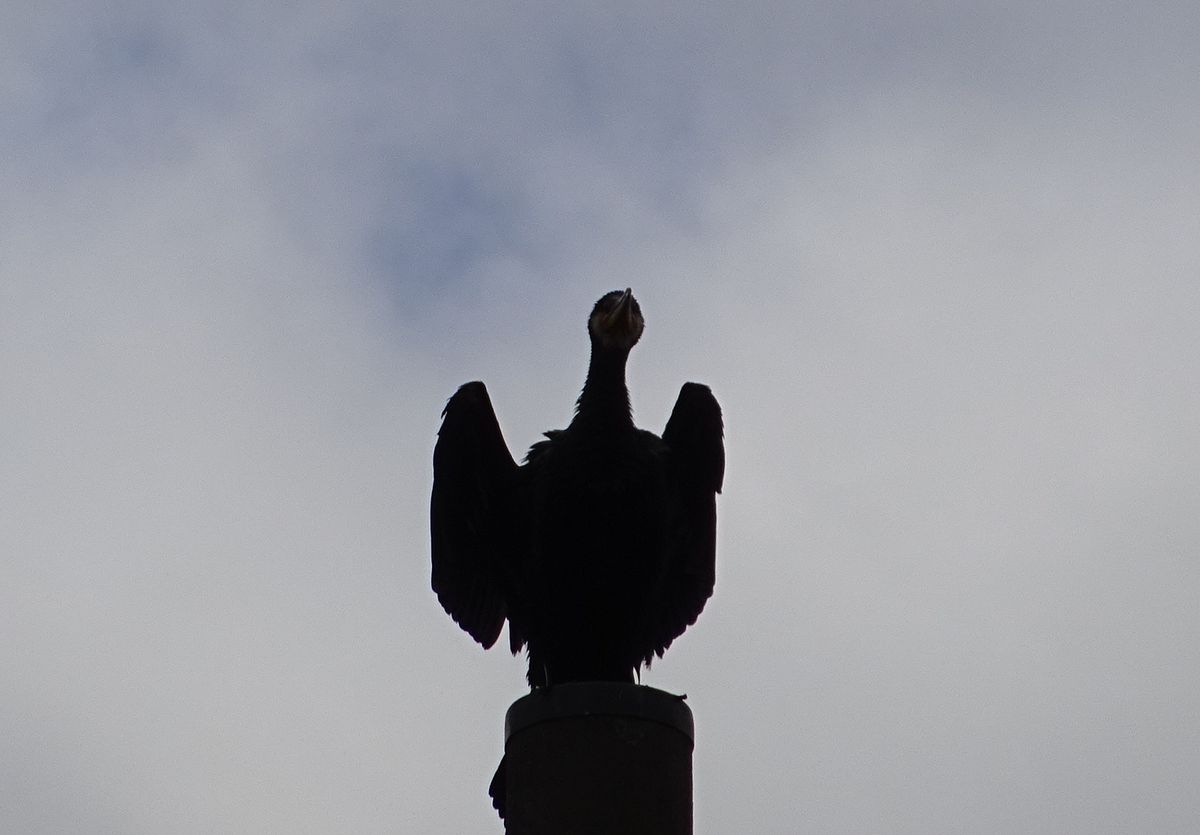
pixel 616 323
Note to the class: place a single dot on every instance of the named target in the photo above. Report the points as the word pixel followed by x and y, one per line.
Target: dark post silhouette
pixel 598 758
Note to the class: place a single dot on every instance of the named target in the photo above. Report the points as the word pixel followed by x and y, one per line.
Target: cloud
pixel 938 265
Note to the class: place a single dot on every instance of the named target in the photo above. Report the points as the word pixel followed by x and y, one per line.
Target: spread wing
pixel 472 521
pixel 694 436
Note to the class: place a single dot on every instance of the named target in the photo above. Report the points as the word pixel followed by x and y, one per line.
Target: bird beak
pixel 623 312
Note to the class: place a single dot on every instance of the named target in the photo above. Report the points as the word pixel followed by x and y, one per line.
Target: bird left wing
pixel 471 514
pixel 694 437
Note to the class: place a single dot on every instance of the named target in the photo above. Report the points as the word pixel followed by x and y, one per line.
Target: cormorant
pixel 600 549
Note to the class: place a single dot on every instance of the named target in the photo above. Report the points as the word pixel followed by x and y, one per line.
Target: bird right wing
pixel 694 436
pixel 472 514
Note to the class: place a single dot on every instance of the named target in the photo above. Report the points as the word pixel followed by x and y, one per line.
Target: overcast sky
pixel 940 265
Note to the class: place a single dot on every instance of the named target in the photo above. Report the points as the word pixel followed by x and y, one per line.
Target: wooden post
pixel 598 758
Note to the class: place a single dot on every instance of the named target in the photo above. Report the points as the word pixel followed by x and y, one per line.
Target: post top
pixel 599 698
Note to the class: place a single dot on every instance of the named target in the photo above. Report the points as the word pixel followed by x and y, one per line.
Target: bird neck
pixel 604 401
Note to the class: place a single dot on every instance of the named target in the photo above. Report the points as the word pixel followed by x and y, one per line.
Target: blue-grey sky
pixel 939 263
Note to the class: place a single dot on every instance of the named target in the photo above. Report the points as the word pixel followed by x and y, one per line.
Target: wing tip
pixel 697 430
pixel 475 391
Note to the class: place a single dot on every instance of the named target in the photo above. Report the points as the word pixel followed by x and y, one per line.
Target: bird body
pixel 590 591
pixel 599 550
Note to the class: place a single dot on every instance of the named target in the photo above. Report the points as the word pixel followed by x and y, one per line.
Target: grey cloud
pixel 939 266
